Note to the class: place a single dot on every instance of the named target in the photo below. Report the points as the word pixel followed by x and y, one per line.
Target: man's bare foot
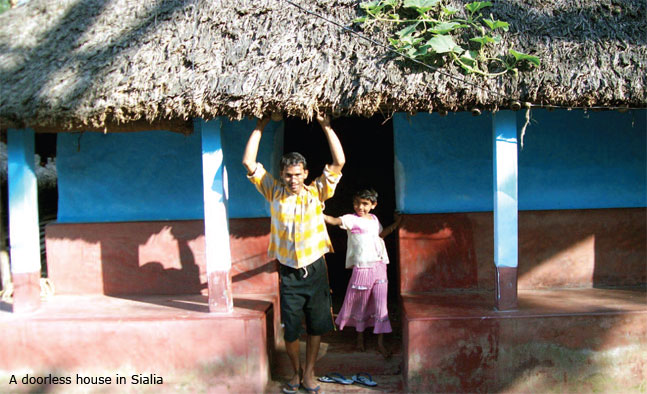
pixel 309 382
pixel 297 378
pixel 292 385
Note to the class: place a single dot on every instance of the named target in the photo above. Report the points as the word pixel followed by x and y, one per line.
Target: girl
pixel 365 300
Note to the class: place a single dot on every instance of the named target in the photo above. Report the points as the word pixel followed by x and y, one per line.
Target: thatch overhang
pixel 108 64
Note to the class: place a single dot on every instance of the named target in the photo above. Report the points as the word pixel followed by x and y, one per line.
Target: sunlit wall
pixel 570 160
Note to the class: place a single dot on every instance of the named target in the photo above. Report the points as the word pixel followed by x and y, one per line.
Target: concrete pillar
pixel 506 245
pixel 216 221
pixel 24 238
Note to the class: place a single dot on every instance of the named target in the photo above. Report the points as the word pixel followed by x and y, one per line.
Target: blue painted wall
pixel 154 175
pixel 577 160
pixel 570 160
pixel 244 200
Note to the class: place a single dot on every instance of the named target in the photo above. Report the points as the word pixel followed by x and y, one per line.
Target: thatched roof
pixel 91 64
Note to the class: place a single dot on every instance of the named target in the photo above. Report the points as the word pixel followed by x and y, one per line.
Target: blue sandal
pixel 290 388
pixel 311 390
pixel 335 378
pixel 365 379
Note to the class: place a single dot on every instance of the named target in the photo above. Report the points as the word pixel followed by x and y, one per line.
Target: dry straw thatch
pixel 97 64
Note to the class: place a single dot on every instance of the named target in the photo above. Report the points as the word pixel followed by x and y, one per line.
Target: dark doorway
pixel 368 146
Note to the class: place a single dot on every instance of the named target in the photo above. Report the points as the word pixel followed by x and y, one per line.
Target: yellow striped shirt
pixel 298 235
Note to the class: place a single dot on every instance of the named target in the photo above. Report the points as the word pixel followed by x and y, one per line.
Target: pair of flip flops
pixel 361 378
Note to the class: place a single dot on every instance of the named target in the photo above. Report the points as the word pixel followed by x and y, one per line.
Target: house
pixel 505 251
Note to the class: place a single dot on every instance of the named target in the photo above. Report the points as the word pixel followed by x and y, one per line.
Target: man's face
pixel 294 177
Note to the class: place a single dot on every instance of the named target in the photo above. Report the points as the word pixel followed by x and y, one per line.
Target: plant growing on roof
pixel 431 32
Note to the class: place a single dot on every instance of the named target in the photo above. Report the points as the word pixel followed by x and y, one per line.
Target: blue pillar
pixel 505 208
pixel 216 222
pixel 24 236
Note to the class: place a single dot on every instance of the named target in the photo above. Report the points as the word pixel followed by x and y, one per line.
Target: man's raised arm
pixel 336 150
pixel 251 150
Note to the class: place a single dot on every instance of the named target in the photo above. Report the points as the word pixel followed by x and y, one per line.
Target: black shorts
pixel 309 295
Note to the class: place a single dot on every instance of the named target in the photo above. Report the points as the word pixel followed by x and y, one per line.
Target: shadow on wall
pixel 437 252
pixel 557 249
pixel 164 262
pixel 126 258
pixel 154 258
pixel 582 248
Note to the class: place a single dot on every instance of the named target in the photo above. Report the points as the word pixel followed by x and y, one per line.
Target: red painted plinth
pixel 172 337
pixel 26 292
pixel 436 252
pixel 556 340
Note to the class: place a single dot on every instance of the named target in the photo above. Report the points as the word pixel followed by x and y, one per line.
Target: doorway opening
pixel 368 147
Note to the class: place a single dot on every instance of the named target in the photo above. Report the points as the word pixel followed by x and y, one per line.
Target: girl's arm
pixel 388 230
pixel 332 220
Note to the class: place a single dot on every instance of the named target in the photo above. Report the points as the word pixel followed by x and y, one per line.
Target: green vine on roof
pixel 434 33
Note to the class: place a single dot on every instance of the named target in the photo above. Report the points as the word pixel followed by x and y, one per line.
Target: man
pixel 299 240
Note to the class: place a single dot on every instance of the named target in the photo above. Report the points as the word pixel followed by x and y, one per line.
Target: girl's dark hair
pixel 293 159
pixel 367 194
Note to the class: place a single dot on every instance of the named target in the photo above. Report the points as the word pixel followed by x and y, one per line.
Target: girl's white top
pixel 365 247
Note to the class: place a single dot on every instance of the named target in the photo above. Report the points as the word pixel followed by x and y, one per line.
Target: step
pixel 170 340
pixel 385 384
pixel 338 353
pixel 557 340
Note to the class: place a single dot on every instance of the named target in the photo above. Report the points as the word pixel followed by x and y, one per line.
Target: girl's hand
pixel 397 219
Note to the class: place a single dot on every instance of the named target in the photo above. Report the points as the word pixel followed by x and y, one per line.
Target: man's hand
pixel 324 120
pixel 262 122
pixel 338 158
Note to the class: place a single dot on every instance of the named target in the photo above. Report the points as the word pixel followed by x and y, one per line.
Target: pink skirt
pixel 365 300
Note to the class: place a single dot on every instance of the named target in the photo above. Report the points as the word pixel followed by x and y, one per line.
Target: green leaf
pixel 421 6
pixel 522 56
pixel 395 43
pixel 469 58
pixel 361 19
pixel 375 7
pixel 477 5
pixel 410 50
pixel 407 31
pixel 483 40
pixel 493 25
pixel 370 5
pixel 446 27
pixel 449 10
pixel 410 40
pixel 422 51
pixel 442 44
pixel 4 6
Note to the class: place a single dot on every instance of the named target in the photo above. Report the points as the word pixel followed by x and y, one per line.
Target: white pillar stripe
pixel 218 254
pixel 505 160
pixel 24 236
